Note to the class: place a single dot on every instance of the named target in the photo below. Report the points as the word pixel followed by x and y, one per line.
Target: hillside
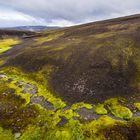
pixel 92 60
pixel 80 82
pixel 6 33
pixel 34 28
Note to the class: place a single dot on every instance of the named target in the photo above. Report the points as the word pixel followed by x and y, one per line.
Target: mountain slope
pixel 75 83
pixel 90 61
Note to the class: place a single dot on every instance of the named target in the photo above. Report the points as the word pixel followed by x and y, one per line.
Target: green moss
pixel 57 102
pixel 35 79
pixel 76 129
pixel 92 129
pixel 2 62
pixel 43 125
pixel 63 134
pixel 99 109
pixel 4 87
pixel 6 44
pixel 6 134
pixel 118 110
pixel 48 38
pixel 32 133
pixel 69 114
pixel 71 131
pixel 81 105
pixel 121 112
pixel 137 105
pixel 26 97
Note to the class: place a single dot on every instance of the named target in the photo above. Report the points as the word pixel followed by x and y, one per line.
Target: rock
pixel 37 100
pixel 3 76
pixel 66 108
pixel 63 121
pixel 137 114
pixel 130 106
pixel 75 118
pixel 32 89
pixel 17 135
pixel 43 102
pixel 87 114
pixel 48 105
pixel 20 83
pixel 114 117
pixel 10 80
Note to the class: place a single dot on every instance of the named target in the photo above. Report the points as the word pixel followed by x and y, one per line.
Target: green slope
pixel 76 83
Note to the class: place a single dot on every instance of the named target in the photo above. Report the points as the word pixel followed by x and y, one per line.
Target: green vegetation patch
pixel 34 79
pixel 6 134
pixel 48 37
pixel 81 105
pixel 123 131
pixel 7 44
pixel 137 105
pixel 118 110
pixel 99 109
pixel 92 130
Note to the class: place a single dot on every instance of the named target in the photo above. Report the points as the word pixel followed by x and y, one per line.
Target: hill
pixel 74 83
pixel 35 28
pixel 7 33
pixel 90 61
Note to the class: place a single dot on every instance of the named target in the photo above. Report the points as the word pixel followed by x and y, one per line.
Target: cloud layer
pixel 64 12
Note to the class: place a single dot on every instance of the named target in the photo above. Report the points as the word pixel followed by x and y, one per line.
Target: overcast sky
pixel 63 12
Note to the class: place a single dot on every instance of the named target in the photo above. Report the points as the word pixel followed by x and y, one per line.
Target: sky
pixel 63 12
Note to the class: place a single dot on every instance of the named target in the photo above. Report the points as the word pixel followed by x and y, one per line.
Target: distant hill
pixel 15 33
pixel 35 28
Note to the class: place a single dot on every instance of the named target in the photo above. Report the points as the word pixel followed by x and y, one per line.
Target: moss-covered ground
pixel 7 44
pixel 20 116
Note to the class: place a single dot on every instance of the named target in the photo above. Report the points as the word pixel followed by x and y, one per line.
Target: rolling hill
pixel 35 28
pixel 89 61
pixel 85 77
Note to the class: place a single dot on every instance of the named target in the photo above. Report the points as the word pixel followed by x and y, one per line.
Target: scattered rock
pixel 37 100
pixel 137 114
pixel 10 80
pixel 27 88
pixel 63 121
pixel 32 89
pixel 76 118
pixel 114 117
pixel 131 106
pixel 3 76
pixel 87 114
pixel 48 105
pixel 20 83
pixel 43 102
pixel 66 108
pixel 17 135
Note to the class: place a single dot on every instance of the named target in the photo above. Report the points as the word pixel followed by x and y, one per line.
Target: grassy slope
pixel 86 64
pixel 89 61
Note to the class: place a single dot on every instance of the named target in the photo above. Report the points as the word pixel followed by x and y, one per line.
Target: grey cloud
pixel 74 11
